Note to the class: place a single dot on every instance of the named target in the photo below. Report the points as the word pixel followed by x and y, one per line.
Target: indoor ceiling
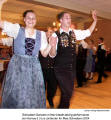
pixel 47 10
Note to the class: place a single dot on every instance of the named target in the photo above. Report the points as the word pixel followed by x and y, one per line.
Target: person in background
pixel 64 51
pixel 108 59
pixel 101 55
pixel 47 64
pixel 90 60
pixel 24 84
pixel 4 55
pixel 8 41
pixel 81 61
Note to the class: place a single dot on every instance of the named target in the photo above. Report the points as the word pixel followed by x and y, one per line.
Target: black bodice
pixel 100 53
pixel 29 46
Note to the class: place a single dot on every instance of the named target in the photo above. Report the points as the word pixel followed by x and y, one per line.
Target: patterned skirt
pixel 23 84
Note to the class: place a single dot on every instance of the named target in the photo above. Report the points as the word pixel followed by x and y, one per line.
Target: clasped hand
pixel 53 41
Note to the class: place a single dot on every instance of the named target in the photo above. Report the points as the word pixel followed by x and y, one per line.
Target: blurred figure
pixel 81 61
pixel 4 55
pixel 55 29
pixel 101 53
pixel 108 59
pixel 90 60
pixel 49 32
pixel 73 26
pixel 47 64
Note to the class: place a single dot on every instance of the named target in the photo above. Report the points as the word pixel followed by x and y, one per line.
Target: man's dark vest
pixel 100 53
pixel 66 49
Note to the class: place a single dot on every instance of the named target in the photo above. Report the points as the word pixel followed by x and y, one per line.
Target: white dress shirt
pixel 102 46
pixel 79 34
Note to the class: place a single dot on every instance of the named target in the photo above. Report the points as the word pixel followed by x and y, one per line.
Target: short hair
pixel 27 11
pixel 60 15
pixel 101 38
pixel 49 28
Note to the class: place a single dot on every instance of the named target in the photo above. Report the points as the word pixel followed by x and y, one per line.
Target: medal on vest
pixel 64 40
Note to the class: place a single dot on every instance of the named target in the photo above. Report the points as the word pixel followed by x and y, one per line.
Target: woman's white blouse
pixel 12 30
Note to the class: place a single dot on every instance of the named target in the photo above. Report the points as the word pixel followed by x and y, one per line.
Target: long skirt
pixel 23 84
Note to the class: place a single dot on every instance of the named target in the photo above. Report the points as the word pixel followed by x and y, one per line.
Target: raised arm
pixel 1 5
pixel 94 16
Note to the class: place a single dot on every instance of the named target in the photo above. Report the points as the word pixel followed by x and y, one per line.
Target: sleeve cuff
pixel 88 32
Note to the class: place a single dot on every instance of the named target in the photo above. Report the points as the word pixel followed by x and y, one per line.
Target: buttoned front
pixel 65 49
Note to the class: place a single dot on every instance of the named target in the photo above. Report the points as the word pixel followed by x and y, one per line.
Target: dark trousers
pixel 100 70
pixel 65 79
pixel 79 71
pixel 50 82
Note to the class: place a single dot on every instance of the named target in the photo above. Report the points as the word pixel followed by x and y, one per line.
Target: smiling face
pixel 30 20
pixel 66 20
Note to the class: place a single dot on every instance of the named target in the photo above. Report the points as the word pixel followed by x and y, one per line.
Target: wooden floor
pixel 91 96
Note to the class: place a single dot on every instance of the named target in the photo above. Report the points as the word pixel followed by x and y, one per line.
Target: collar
pixel 101 44
pixel 28 36
pixel 61 30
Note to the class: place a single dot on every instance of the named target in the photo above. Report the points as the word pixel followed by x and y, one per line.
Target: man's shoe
pixel 105 75
pixel 78 86
pixel 90 78
pixel 99 82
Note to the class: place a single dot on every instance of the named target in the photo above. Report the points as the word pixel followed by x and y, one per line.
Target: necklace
pixel 30 32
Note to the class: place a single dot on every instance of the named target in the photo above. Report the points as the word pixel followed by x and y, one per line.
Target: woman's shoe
pixel 90 78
